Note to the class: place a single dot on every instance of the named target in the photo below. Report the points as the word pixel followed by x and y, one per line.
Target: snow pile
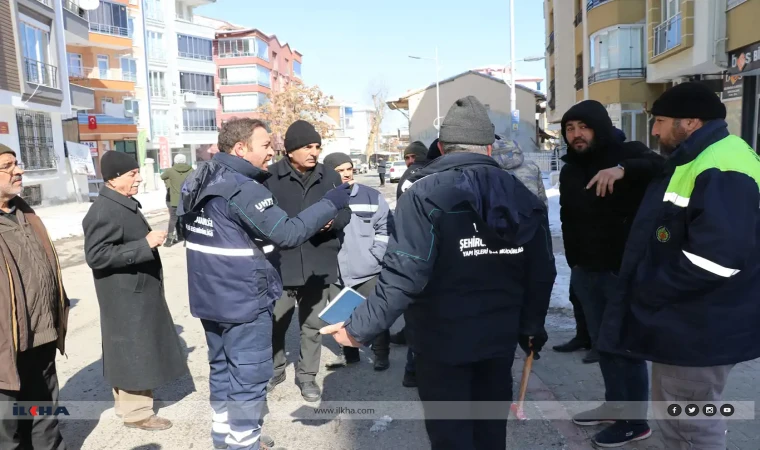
pixel 64 221
pixel 561 292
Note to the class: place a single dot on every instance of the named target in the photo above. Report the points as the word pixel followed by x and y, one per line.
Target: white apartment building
pixel 180 98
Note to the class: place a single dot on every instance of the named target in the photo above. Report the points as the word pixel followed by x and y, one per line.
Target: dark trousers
pixel 483 381
pixel 626 386
pixel 39 387
pixel 381 346
pixel 382 179
pixel 581 328
pixel 594 289
pixel 240 359
pixel 172 221
pixel 311 299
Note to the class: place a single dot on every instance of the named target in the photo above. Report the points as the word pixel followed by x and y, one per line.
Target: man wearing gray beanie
pixel 470 264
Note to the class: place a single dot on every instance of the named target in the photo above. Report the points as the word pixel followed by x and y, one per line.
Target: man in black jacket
pixel 298 182
pixel 415 157
pixel 601 187
pixel 471 263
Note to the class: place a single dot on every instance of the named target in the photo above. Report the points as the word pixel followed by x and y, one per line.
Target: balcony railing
pixel 108 29
pixel 198 92
pixel 667 35
pixel 550 47
pixel 591 4
pixel 46 2
pixel 73 7
pixel 226 82
pixel 578 79
pixel 197 128
pixel 40 73
pixel 237 54
pixel 578 18
pixel 613 74
pixel 97 73
pixel 198 56
pixel 552 102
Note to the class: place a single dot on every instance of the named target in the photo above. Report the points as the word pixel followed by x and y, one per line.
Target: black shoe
pixel 382 363
pixel 398 338
pixel 351 355
pixel 591 357
pixel 275 381
pixel 310 391
pixel 573 345
pixel 410 380
pixel 602 414
pixel 621 433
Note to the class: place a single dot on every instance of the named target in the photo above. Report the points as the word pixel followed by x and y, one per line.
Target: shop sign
pixel 733 87
pixel 745 59
pixel 164 153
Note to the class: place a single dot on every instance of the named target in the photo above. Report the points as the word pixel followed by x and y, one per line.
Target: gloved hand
pixel 339 196
pixel 535 343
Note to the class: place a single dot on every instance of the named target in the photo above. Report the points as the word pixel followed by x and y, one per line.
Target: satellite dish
pixel 88 5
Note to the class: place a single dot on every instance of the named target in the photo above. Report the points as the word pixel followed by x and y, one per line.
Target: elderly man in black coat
pixel 141 349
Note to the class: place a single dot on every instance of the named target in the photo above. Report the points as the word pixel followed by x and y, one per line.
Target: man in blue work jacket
pixel 230 221
pixel 471 263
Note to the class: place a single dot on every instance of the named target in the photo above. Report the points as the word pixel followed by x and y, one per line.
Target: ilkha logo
pixel 35 411
pixel 663 234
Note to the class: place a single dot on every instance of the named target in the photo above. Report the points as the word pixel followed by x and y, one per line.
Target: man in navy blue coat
pixel 471 263
pixel 230 222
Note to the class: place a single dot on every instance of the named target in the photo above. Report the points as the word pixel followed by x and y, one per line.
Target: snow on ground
pixel 561 291
pixel 65 221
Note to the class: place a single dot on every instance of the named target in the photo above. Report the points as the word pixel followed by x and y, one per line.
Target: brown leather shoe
pixel 152 423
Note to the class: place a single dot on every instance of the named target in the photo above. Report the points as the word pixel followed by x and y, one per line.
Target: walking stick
pixel 517 408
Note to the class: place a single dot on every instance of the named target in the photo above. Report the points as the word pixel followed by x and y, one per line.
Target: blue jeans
pixel 626 381
pixel 240 359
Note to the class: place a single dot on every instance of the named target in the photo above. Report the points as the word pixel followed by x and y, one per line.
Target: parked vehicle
pixel 396 170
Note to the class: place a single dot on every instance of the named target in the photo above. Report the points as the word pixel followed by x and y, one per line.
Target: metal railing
pixel 546 161
pixel 46 2
pixel 109 29
pixel 97 73
pixel 38 72
pixel 617 73
pixel 578 78
pixel 199 127
pixel 236 54
pixel 578 18
pixel 226 82
pixel 552 102
pixel 591 4
pixel 195 56
pixel 550 47
pixel 73 7
pixel 198 92
pixel 667 35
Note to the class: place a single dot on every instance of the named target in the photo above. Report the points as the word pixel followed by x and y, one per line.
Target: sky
pixel 352 47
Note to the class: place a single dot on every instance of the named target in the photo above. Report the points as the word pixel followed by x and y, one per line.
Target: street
pixel 295 424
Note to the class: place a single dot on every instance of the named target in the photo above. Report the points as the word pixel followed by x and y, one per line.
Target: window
pixel 617 52
pixel 194 47
pixel 157 83
pixel 199 120
pixel 635 125
pixel 128 69
pixel 265 76
pixel 103 102
pixel 161 123
pixel 731 4
pixel 103 67
pixel 262 49
pixel 263 99
pixel 240 102
pixel 35 43
pixel 346 117
pixel 109 18
pixel 238 75
pixel 196 83
pixel 156 46
pixel 35 138
pixel 667 34
pixel 297 68
pixel 154 10
pixel 75 65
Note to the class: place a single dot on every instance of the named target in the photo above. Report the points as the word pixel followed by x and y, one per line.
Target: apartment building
pixel 35 95
pixel 560 57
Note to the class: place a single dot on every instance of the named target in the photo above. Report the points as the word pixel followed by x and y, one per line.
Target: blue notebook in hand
pixel 340 309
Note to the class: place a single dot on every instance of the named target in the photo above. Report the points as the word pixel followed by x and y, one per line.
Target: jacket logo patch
pixel 663 234
pixel 264 204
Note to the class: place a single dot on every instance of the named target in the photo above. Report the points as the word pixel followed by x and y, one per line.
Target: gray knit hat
pixel 467 123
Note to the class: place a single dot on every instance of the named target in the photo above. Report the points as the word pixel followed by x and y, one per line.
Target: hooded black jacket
pixel 470 260
pixel 594 228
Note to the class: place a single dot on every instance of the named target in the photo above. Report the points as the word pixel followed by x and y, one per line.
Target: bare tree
pixel 297 101
pixel 379 95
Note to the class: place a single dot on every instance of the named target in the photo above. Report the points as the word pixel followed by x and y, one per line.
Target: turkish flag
pixel 92 122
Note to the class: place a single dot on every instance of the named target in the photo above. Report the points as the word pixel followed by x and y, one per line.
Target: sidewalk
pixel 65 221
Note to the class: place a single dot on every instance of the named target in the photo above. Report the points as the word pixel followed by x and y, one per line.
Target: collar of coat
pixel 242 166
pixel 283 169
pixel 128 202
pixel 694 145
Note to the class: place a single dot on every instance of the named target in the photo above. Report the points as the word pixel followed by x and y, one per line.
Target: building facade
pixel 35 96
pixel 354 122
pixel 741 85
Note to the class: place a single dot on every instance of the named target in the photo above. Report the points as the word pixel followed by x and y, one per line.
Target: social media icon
pixel 692 410
pixel 727 410
pixel 710 410
pixel 674 410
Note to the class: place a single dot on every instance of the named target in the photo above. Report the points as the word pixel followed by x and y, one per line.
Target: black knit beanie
pixel 417 149
pixel 334 160
pixel 115 164
pixel 689 101
pixel 300 134
pixel 433 151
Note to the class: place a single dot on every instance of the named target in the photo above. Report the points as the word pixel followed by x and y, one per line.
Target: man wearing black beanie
pixel 601 186
pixel 297 182
pixel 691 271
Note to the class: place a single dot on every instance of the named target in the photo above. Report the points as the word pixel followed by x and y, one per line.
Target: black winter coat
pixel 594 228
pixel 317 259
pixel 141 349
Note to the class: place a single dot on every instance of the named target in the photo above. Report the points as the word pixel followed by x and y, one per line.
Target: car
pixel 396 170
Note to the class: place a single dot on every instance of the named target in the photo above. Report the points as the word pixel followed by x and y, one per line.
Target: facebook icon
pixel 674 410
